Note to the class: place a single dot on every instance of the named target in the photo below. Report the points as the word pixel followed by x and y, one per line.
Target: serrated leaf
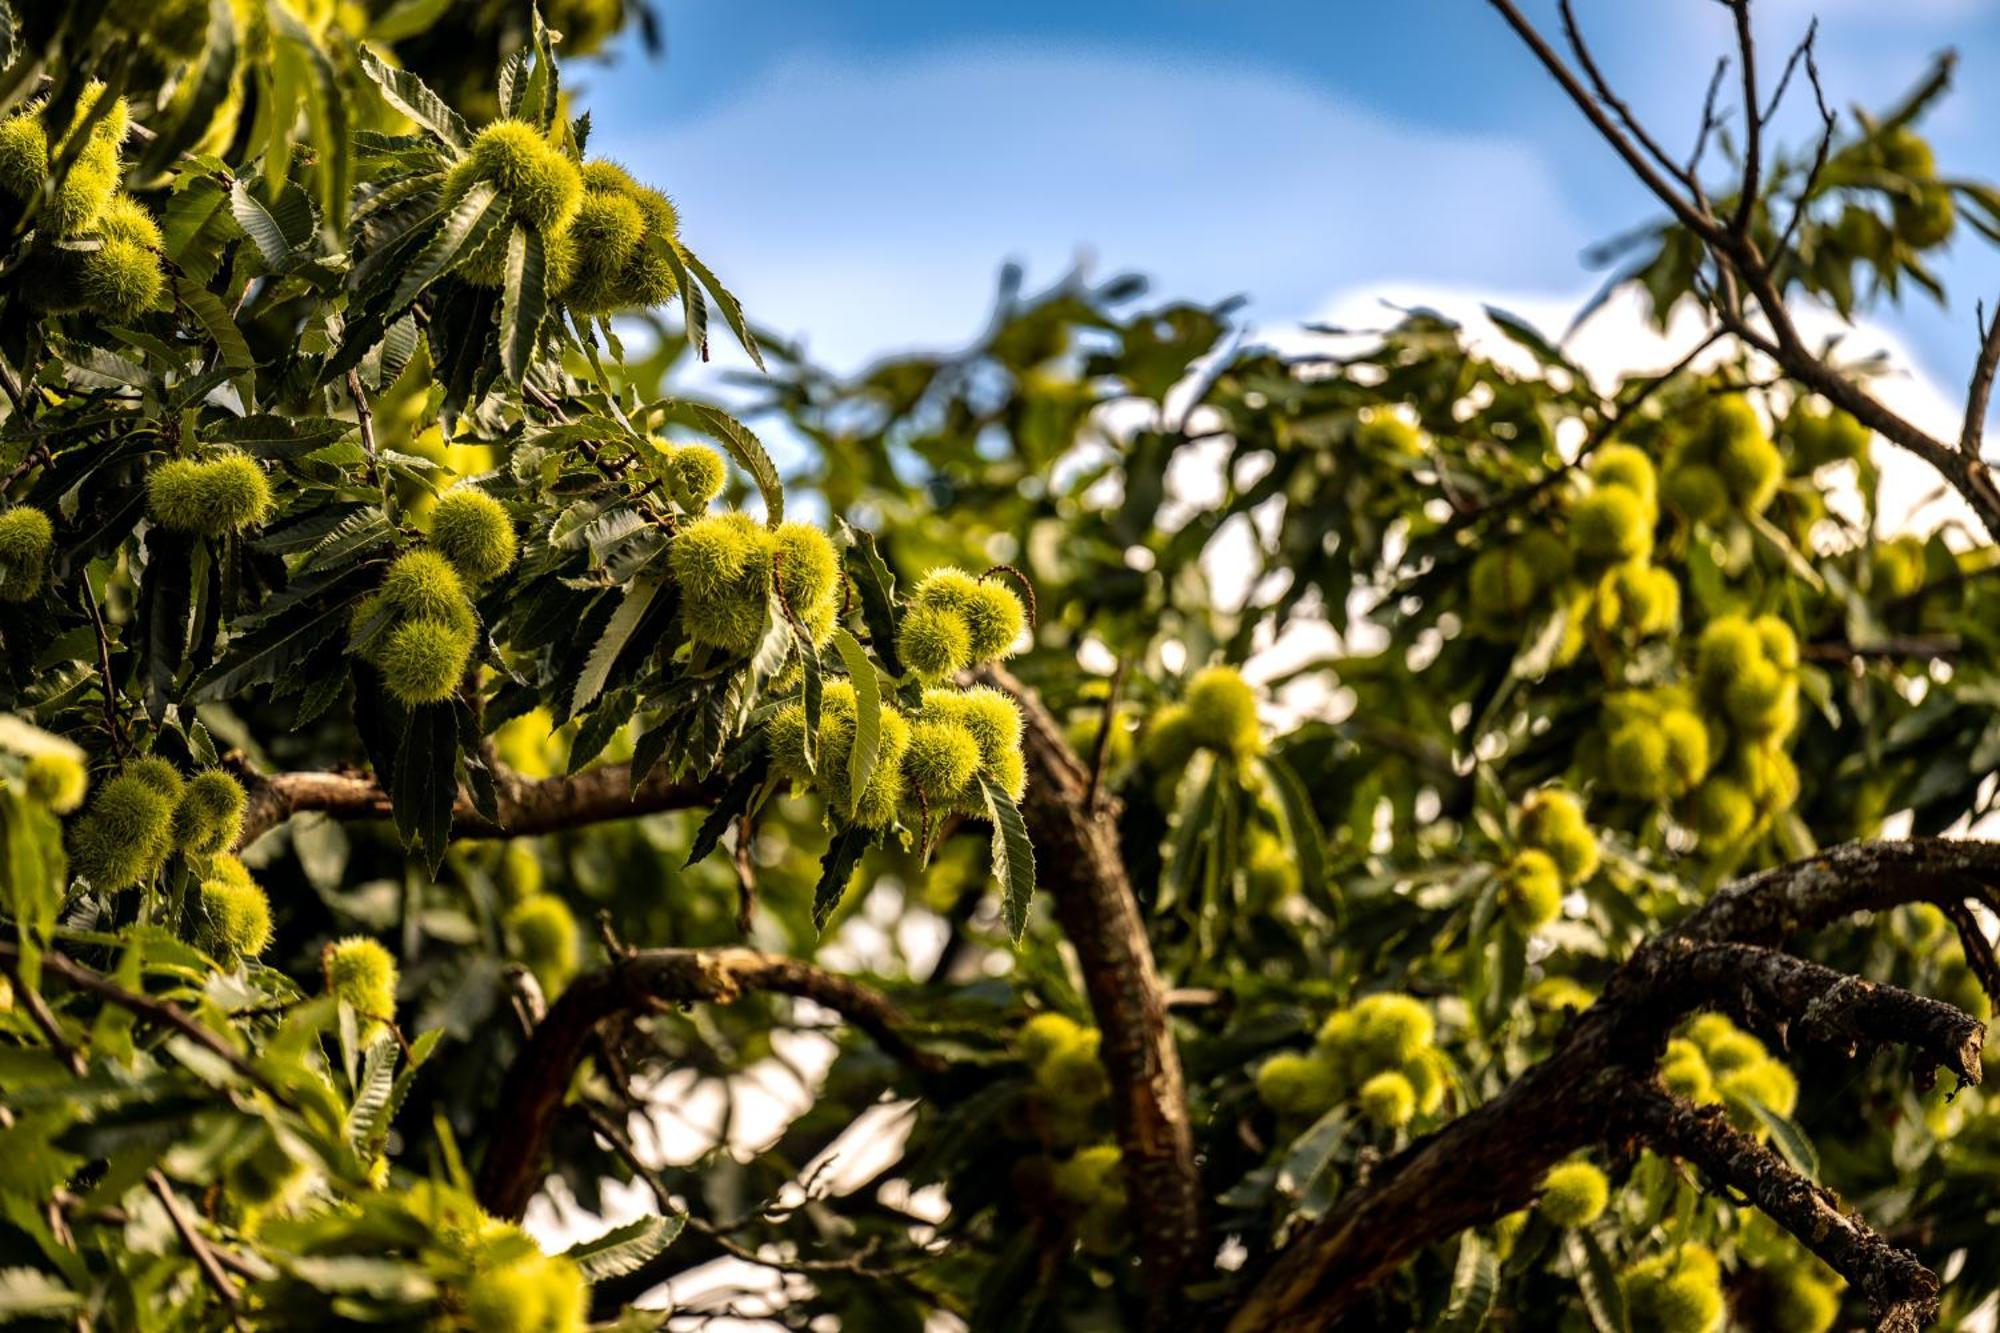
pixel 1475 1283
pixel 411 96
pixel 732 309
pixel 1603 1298
pixel 262 229
pixel 424 786
pixel 1013 857
pixel 464 230
pixel 371 1095
pixel 230 348
pixel 742 444
pixel 523 302
pixel 734 802
pixel 625 1249
pixel 836 868
pixel 617 634
pixel 867 710
pixel 876 586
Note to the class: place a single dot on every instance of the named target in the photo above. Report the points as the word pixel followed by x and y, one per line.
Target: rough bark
pixel 1491 1160
pixel 1079 863
pixel 539 1078
pixel 1901 1292
pixel 527 805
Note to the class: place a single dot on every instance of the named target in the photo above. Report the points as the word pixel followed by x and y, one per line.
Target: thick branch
pixel 1078 860
pixel 540 1076
pixel 1490 1161
pixel 1797 1001
pixel 1901 1292
pixel 527 805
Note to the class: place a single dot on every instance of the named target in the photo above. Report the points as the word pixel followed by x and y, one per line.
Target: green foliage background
pixel 337 300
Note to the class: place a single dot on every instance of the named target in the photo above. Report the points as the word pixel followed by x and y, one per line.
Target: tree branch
pixel 1491 1160
pixel 1901 1292
pixel 1738 260
pixel 527 805
pixel 1078 860
pixel 637 982
pixel 164 1012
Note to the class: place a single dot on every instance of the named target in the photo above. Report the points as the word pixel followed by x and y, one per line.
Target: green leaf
pixel 371 1096
pixel 733 803
pixel 1013 857
pixel 1308 840
pixel 1791 1141
pixel 617 634
pixel 208 311
pixel 742 444
pixel 1475 1284
pixel 523 302
pixel 732 309
pixel 262 229
pixel 409 95
pixel 625 1249
pixel 465 229
pixel 867 710
pixel 836 868
pixel 29 1293
pixel 424 786
pixel 1603 1298
pixel 876 586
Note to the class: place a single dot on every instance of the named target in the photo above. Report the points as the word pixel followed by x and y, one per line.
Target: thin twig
pixel 204 1257
pixel 1104 726
pixel 365 417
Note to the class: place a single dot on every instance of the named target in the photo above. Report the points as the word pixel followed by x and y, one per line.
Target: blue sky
pixel 859 171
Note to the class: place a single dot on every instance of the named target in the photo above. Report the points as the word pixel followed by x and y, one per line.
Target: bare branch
pixel 1979 397
pixel 1753 124
pixel 1702 225
pixel 1797 1001
pixel 527 805
pixel 1602 88
pixel 1490 1161
pixel 1901 1292
pixel 164 1012
pixel 1079 861
pixel 637 982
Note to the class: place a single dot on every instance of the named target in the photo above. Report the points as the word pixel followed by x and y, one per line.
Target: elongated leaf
pixel 523 302
pixel 743 446
pixel 27 1293
pixel 425 784
pixel 1307 838
pixel 836 868
pixel 625 1249
pixel 262 229
pixel 734 802
pixel 409 95
pixel 1603 1298
pixel 207 308
pixel 1791 1141
pixel 1475 1283
pixel 732 309
pixel 876 586
pixel 371 1096
pixel 466 228
pixel 167 591
pixel 867 710
pixel 617 634
pixel 270 652
pixel 1013 857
